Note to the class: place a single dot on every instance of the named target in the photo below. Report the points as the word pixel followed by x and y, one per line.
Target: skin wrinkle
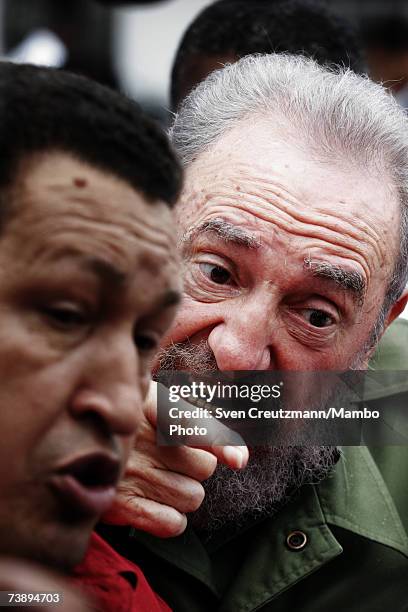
pixel 298 333
pixel 332 236
pixel 51 251
pixel 269 283
pixel 323 221
pixel 115 274
pixel 312 339
pixel 273 472
pixel 331 271
pixel 342 250
pixel 234 235
pixel 246 173
pixel 350 281
pixel 83 209
pixel 74 224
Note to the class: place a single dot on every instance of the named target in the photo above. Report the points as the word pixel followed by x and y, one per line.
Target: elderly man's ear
pixel 397 308
pixel 394 312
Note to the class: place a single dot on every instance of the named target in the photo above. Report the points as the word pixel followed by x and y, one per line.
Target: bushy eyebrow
pixel 228 232
pixel 350 280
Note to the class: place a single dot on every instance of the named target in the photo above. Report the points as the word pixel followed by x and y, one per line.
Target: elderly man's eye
pixel 317 318
pixel 217 274
pixel 65 316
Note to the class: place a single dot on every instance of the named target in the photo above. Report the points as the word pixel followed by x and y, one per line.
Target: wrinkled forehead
pixel 64 205
pixel 258 159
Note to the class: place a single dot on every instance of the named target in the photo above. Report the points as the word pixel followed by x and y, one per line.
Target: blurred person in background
pixel 229 29
pixel 75 35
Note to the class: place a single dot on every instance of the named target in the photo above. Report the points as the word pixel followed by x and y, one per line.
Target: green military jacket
pixel 339 546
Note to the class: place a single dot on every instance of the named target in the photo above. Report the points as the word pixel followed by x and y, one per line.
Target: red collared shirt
pixel 113 583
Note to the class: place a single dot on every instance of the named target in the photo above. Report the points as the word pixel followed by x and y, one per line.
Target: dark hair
pixel 239 28
pixel 43 109
pixel 388 32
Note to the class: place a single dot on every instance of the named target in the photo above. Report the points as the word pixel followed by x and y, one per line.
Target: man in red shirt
pixel 88 285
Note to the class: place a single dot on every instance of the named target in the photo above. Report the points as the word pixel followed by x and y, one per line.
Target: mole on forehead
pixel 80 182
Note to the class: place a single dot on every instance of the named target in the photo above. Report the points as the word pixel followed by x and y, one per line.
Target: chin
pixel 64 551
pixel 67 545
pixel 39 529
pixel 55 545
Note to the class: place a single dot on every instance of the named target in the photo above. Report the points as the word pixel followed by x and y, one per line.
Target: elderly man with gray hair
pixel 293 230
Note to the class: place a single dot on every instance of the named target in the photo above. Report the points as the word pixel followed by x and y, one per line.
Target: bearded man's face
pixel 287 262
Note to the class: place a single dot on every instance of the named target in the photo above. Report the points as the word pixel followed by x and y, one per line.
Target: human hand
pixel 163 483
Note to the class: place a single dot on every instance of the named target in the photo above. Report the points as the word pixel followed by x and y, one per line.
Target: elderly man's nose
pixel 238 347
pixel 112 388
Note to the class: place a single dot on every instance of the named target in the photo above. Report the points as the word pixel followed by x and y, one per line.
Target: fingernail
pixel 234 456
pixel 244 454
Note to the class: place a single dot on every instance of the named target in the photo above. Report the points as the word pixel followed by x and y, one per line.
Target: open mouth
pixel 86 486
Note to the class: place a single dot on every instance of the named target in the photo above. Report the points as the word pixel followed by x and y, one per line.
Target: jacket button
pixel 296 540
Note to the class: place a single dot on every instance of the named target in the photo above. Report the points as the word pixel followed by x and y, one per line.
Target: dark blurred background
pixel 131 45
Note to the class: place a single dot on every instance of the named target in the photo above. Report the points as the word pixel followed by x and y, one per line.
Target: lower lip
pixel 79 499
